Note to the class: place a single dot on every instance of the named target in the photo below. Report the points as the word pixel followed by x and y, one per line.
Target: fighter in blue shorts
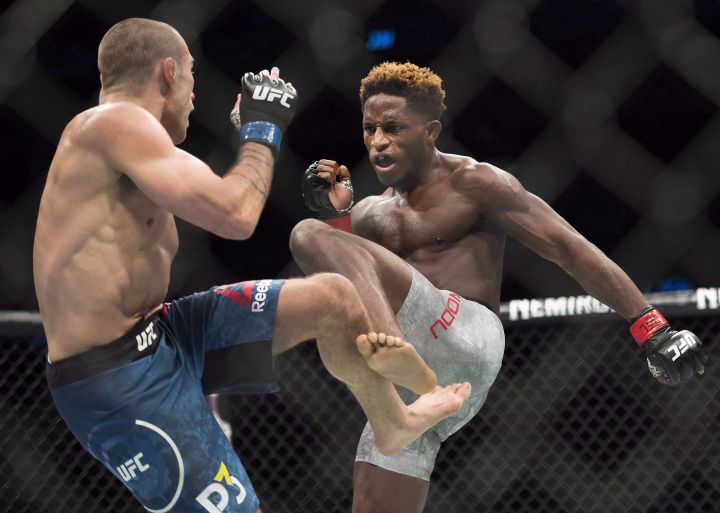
pixel 128 372
pixel 138 404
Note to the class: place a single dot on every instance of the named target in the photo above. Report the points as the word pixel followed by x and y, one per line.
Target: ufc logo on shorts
pixel 127 469
pixel 448 315
pixel 686 342
pixel 216 497
pixel 146 338
pixel 270 94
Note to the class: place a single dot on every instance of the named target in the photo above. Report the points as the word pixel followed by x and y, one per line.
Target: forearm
pixel 605 280
pixel 248 181
pixel 261 120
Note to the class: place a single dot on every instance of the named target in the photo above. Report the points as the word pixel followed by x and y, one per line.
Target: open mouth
pixel 383 162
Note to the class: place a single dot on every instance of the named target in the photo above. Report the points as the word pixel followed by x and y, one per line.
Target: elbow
pixel 240 228
pixel 237 225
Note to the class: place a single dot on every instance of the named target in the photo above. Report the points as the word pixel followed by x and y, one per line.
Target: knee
pixel 338 296
pixel 335 289
pixel 306 237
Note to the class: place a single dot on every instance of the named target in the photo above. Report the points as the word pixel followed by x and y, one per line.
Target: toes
pixel 378 341
pixel 364 345
pixel 385 340
pixel 464 390
pixel 394 341
pixel 461 389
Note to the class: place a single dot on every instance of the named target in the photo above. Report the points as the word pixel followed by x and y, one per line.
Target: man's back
pixel 102 250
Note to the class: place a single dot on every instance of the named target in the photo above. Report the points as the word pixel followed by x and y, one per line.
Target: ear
pixel 433 129
pixel 169 70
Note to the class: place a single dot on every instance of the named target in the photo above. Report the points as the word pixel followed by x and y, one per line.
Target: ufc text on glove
pixel 266 109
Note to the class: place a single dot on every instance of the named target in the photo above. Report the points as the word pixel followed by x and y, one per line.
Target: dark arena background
pixel 608 110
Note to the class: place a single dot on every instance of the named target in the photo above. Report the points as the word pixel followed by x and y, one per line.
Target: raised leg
pixel 381 278
pixel 326 307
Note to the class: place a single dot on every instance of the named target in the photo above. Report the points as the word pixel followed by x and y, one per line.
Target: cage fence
pixel 574 424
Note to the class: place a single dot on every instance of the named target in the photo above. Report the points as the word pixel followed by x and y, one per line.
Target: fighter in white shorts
pixel 446 217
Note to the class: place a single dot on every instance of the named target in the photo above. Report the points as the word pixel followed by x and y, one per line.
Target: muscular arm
pixel 137 145
pixel 535 224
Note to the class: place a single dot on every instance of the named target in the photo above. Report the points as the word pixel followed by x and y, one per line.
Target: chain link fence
pixel 573 424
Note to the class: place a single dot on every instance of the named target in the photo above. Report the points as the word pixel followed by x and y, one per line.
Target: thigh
pixel 319 305
pixel 376 490
pixel 318 247
pixel 395 274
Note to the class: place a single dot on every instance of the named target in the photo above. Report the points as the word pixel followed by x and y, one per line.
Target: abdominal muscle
pixel 100 264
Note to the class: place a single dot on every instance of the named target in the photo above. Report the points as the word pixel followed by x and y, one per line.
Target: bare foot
pixel 397 361
pixel 428 410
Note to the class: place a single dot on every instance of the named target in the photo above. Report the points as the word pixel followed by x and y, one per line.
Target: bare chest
pixel 404 228
pixel 149 225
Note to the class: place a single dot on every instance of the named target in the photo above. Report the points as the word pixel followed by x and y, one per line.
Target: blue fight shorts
pixel 138 403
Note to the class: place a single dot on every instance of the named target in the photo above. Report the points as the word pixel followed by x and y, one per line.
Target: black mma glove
pixel 674 355
pixel 266 109
pixel 316 193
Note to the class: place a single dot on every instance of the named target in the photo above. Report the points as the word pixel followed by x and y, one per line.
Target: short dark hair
pixel 419 86
pixel 130 49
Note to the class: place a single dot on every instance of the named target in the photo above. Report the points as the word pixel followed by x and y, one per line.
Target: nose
pixel 379 140
pixel 192 97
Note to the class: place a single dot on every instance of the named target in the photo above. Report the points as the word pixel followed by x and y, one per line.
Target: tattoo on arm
pixel 255 155
pixel 262 190
pixel 259 175
pixel 250 158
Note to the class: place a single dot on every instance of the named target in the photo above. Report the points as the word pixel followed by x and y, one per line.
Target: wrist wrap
pixel 340 223
pixel 262 132
pixel 645 325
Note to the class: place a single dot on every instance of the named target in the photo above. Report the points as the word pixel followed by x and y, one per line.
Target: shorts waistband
pixel 140 341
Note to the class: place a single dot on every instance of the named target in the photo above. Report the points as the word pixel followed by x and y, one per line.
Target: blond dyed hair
pixel 421 88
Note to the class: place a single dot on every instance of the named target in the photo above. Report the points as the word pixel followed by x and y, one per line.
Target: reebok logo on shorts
pixel 258 305
pixel 248 293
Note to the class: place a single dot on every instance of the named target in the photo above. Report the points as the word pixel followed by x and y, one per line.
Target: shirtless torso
pixel 96 226
pixel 441 231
